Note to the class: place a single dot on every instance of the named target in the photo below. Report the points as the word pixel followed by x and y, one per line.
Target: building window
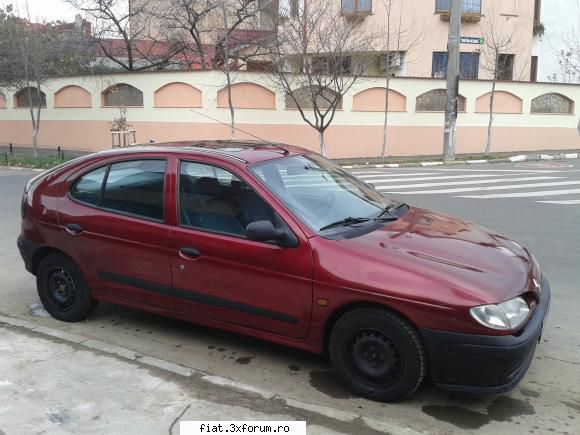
pixel 505 67
pixel 357 7
pixel 435 100
pixel 30 97
pixel 552 103
pixel 122 95
pixel 468 65
pixel 290 8
pixel 467 6
pixel 332 65
pixel 534 69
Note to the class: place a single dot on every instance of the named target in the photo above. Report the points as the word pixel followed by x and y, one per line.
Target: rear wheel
pixel 378 354
pixel 63 289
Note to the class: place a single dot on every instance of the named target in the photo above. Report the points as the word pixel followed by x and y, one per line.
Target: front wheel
pixel 378 354
pixel 63 289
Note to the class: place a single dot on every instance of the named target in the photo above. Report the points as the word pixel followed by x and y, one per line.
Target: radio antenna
pixel 241 131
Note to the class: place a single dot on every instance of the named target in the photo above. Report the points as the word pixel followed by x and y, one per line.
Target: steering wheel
pixel 322 206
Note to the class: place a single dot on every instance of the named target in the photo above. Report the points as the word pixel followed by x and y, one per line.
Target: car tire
pixel 378 354
pixel 63 289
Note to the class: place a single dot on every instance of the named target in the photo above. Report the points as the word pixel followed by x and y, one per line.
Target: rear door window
pixel 136 188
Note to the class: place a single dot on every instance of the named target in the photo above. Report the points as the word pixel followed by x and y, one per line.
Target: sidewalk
pixel 54 383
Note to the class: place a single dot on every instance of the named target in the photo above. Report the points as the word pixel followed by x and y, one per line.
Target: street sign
pixel 472 40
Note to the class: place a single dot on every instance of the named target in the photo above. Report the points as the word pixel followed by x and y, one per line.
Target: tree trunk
pixel 231 106
pixel 322 144
pixel 385 124
pixel 228 76
pixel 491 98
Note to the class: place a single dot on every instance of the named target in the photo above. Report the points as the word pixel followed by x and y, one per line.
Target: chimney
pixel 78 22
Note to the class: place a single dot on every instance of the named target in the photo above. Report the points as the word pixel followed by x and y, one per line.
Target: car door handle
pixel 73 229
pixel 189 253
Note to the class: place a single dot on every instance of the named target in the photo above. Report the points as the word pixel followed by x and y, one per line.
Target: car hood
pixel 433 258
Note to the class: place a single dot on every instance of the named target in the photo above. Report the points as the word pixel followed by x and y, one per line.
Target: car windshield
pixel 321 194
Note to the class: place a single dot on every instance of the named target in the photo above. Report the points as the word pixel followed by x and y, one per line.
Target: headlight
pixel 505 316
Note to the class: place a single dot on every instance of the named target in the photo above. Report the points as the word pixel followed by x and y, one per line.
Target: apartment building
pixel 418 32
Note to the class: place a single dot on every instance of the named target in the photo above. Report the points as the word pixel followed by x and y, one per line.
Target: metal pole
pixel 452 81
pixel 11 149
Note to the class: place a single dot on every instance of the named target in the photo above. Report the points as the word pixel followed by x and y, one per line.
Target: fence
pixel 168 106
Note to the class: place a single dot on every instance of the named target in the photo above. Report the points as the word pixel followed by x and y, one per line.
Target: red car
pixel 276 242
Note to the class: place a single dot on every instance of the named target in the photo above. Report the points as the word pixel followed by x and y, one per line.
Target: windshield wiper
pixel 395 205
pixel 359 220
pixel 346 221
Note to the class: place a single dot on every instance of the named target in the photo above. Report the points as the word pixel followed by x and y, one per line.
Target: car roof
pixel 235 150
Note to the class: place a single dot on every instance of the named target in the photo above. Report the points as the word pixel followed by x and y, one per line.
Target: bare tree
pixel 124 34
pixel 500 39
pixel 240 38
pixel 400 40
pixel 196 20
pixel 32 53
pixel 319 55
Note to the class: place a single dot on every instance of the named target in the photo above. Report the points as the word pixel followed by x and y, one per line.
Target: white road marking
pixel 507 187
pixel 523 194
pixel 547 171
pixel 395 175
pixel 461 183
pixel 447 177
pixel 569 202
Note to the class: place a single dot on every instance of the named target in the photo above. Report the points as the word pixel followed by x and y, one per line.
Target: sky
pixel 41 10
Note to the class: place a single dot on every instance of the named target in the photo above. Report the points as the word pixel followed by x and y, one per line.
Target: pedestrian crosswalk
pixel 550 186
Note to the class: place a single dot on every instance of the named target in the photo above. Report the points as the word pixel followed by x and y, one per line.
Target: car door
pixel 113 220
pixel 219 273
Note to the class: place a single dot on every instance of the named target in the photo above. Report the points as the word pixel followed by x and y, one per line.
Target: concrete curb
pixel 187 372
pixel 512 159
pixel 21 168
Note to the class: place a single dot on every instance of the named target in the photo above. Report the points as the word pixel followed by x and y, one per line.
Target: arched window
pixel 552 103
pixel 23 98
pixel 307 96
pixel 434 101
pixel 122 95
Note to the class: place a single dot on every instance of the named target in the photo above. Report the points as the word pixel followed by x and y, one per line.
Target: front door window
pixel 213 199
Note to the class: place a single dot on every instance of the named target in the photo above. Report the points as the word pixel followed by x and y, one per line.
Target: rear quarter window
pixel 87 189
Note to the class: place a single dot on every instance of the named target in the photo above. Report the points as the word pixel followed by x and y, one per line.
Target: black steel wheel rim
pixel 374 357
pixel 61 288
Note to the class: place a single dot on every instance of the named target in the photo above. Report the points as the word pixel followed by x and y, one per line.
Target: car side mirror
pixel 265 231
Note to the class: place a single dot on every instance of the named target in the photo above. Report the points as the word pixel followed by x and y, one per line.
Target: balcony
pixel 470 10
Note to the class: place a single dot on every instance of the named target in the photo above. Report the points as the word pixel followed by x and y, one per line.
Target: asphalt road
pixel 520 201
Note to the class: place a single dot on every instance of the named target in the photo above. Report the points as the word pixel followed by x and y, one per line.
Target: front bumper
pixel 27 250
pixel 485 364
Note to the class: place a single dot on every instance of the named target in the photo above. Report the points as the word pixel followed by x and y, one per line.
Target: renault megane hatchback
pixel 276 242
